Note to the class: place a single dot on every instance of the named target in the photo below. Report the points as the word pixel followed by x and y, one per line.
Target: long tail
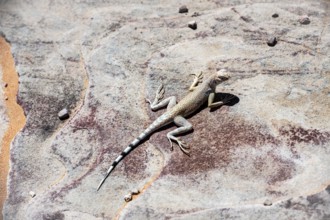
pixel 154 126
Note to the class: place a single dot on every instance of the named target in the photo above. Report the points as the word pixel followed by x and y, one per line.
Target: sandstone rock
pixel 192 25
pixel 102 60
pixel 183 9
pixel 135 191
pixel 128 197
pixel 268 202
pixel 32 194
pixel 63 114
pixel 275 15
pixel 195 14
pixel 272 41
pixel 304 20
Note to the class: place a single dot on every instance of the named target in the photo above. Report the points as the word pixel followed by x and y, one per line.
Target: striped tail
pixel 153 127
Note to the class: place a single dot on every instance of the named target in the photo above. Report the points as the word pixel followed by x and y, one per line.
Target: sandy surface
pixel 14 111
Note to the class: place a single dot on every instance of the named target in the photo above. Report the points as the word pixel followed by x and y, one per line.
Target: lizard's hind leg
pixel 183 127
pixel 157 104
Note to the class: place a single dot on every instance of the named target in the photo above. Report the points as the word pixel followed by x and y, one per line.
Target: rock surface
pixel 102 59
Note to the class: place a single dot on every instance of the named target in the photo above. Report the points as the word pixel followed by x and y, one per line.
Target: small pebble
pixel 32 194
pixel 183 9
pixel 63 114
pixel 268 202
pixel 6 85
pixel 196 14
pixel 128 197
pixel 192 25
pixel 6 98
pixel 304 20
pixel 135 191
pixel 275 15
pixel 271 41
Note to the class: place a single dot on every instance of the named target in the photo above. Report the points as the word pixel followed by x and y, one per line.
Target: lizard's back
pixel 192 101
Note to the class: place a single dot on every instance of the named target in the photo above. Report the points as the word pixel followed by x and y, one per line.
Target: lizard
pixel 200 92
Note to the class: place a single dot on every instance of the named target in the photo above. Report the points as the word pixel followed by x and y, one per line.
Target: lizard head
pixel 220 76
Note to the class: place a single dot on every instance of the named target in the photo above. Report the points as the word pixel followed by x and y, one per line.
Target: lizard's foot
pixel 183 146
pixel 197 79
pixel 160 93
pixel 183 127
pixel 159 96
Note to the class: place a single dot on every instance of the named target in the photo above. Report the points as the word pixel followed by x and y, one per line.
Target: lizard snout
pixel 223 75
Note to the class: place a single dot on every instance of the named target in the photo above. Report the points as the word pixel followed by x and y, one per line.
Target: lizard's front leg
pixel 183 127
pixel 211 103
pixel 198 79
pixel 157 104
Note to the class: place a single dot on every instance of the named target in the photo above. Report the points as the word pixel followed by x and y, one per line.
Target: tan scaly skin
pixel 205 92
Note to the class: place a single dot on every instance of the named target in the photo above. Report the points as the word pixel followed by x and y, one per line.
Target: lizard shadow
pixel 228 98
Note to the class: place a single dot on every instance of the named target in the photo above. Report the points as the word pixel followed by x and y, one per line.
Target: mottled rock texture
pixel 101 59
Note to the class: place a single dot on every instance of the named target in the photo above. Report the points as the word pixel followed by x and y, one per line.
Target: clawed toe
pixel 185 151
pixel 183 146
pixel 198 77
pixel 171 144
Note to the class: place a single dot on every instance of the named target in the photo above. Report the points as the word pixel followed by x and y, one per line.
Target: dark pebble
pixel 268 203
pixel 272 41
pixel 275 15
pixel 192 25
pixel 183 9
pixel 196 14
pixel 304 20
pixel 63 114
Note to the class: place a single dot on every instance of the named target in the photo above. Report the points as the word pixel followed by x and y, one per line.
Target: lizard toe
pixel 171 144
pixel 185 151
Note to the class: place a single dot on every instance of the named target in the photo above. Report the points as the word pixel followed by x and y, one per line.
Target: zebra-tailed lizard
pixel 176 113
